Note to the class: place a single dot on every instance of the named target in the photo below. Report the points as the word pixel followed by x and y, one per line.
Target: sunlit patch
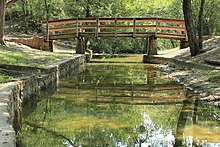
pixel 84 123
pixel 203 133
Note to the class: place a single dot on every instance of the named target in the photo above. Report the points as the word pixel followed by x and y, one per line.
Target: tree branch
pixel 11 3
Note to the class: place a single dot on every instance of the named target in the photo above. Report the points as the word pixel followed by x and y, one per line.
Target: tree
pixel 200 27
pixel 3 5
pixel 2 21
pixel 194 43
pixel 187 11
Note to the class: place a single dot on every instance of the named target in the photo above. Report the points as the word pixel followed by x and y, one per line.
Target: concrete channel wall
pixel 32 81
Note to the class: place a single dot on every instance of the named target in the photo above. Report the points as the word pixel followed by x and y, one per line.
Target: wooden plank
pixel 112 34
pixel 67 21
pixel 171 37
pixel 156 29
pixel 62 21
pixel 120 27
pixel 171 28
pixel 145 26
pixel 92 34
pixel 171 21
pixel 62 28
pixel 164 20
pixel 127 26
pixel 171 34
pixel 77 28
pixel 55 37
pixel 97 28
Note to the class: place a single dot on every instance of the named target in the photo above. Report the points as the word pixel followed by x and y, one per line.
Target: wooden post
pixel 47 20
pixel 97 30
pixel 152 50
pixel 115 28
pixel 156 27
pixel 77 28
pixel 80 46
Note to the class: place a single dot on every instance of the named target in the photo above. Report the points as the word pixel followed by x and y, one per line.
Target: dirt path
pixel 204 82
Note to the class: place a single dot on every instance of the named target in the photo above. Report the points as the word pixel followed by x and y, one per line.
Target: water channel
pixel 120 105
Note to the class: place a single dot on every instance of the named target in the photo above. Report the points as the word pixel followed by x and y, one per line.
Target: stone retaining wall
pixel 15 95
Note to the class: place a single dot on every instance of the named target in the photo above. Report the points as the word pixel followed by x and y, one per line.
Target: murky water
pixel 119 105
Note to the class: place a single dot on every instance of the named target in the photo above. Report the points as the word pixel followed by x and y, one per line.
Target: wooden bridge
pixel 151 28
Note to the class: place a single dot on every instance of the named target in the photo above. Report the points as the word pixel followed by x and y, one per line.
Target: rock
pixel 36 42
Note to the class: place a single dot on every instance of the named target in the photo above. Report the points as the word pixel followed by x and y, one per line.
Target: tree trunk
pixel 200 23
pixel 47 7
pixel 24 23
pixel 2 20
pixel 86 40
pixel 187 11
pixel 3 6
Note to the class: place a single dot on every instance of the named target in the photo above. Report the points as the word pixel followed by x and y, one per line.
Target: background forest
pixel 26 16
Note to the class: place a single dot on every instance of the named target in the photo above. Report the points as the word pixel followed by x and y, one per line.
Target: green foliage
pixel 211 16
pixel 13 56
pixel 28 14
pixel 5 78
pixel 118 45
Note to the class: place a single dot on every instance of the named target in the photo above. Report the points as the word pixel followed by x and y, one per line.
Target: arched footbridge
pixel 151 28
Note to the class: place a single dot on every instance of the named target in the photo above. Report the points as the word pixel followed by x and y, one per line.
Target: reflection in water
pixel 121 105
pixel 197 133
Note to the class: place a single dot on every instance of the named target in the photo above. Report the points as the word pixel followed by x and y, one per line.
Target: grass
pixel 20 56
pixel 61 49
pixel 167 50
pixel 28 57
pixel 4 79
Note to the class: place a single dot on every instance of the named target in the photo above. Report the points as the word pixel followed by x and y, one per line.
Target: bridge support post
pixel 152 50
pixel 184 44
pixel 80 46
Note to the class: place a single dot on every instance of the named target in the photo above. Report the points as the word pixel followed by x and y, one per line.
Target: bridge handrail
pixel 83 26
pixel 101 19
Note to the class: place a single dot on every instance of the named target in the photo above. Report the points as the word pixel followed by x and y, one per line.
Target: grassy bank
pixel 4 78
pixel 19 55
pixel 24 56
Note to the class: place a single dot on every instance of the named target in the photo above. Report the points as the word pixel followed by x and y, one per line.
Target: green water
pixel 124 105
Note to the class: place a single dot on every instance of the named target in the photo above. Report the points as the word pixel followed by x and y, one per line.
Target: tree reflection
pixel 189 109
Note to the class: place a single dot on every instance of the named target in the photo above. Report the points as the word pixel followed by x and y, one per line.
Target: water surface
pixel 120 105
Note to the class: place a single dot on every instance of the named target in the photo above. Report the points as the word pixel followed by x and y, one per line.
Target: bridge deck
pixel 173 29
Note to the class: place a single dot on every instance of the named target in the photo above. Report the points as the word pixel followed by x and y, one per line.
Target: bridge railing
pixel 116 27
